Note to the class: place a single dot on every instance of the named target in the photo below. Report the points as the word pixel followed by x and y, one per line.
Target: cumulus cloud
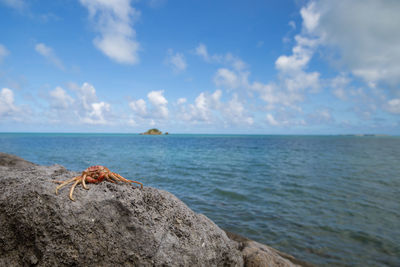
pixel 139 107
pixel 201 50
pixel 210 109
pixel 91 111
pixel 7 106
pixel 310 17
pixel 271 120
pixel 114 22
pixel 157 111
pixel 59 99
pixel 202 108
pixel 293 82
pixel 3 52
pixel 363 33
pixel 181 100
pixel 176 61
pixel 236 113
pixel 83 107
pixel 339 85
pixel 227 78
pixel 393 106
pixel 159 102
pixel 49 54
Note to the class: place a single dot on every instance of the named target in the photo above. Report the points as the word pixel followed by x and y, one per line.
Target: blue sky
pixel 256 67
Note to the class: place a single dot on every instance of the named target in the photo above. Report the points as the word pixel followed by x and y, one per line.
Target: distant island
pixel 377 135
pixel 153 131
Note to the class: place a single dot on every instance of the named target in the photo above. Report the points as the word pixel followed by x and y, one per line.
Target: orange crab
pixel 94 175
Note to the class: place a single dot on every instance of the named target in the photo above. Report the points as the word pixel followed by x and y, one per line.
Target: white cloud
pixel 310 17
pixel 159 103
pixel 3 52
pixel 301 55
pixel 114 20
pixel 202 109
pixel 235 112
pixel 139 106
pixel 226 59
pixel 7 107
pixel 181 100
pixel 393 106
pixel 201 50
pixel 271 120
pixel 209 109
pixel 87 108
pixel 285 118
pixel 159 109
pixel 176 61
pixel 156 98
pixel 96 113
pixel 226 78
pixel 339 85
pixel 60 99
pixel 87 95
pixel 293 79
pixel 49 54
pixel 363 33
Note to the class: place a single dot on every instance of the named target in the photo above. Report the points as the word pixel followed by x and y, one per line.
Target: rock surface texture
pixel 108 225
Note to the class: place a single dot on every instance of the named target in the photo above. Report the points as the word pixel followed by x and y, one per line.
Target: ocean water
pixel 328 200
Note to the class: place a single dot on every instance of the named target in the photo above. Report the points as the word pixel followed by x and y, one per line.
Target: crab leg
pixel 83 182
pixel 72 189
pixel 108 178
pixel 113 176
pixel 65 183
pixel 126 180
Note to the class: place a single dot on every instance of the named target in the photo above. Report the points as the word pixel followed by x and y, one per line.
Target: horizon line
pixel 193 133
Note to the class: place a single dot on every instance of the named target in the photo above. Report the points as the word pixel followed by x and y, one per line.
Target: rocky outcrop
pixel 258 255
pixel 108 225
pixel 153 131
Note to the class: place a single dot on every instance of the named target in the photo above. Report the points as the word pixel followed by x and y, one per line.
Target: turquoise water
pixel 329 200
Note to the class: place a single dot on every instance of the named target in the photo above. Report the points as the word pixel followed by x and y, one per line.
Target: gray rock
pixel 108 225
pixel 259 255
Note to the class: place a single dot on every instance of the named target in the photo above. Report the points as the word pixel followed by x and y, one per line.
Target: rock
pixel 153 131
pixel 259 255
pixel 14 161
pixel 108 225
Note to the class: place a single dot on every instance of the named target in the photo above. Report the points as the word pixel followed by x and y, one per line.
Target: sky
pixel 240 67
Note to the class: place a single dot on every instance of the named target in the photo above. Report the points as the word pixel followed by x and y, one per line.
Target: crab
pixel 94 175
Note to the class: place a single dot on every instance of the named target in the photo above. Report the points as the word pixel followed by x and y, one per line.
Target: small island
pixel 153 131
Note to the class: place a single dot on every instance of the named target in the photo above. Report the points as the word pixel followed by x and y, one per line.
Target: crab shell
pixel 95 174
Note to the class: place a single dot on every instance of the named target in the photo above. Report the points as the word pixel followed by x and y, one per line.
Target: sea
pixel 327 200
